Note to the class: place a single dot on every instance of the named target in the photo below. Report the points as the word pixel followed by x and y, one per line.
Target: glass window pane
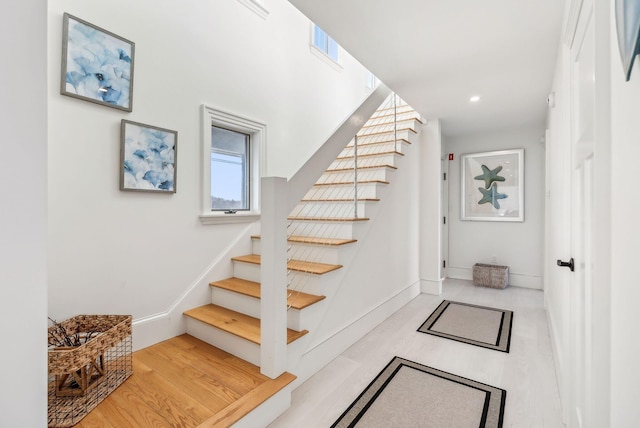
pixel 332 50
pixel 319 38
pixel 229 170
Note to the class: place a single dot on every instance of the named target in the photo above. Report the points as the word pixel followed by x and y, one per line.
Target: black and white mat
pixel 472 324
pixel 408 394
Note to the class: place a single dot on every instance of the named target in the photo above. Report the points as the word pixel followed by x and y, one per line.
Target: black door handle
pixel 569 264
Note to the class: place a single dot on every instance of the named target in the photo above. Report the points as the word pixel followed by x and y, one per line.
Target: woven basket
pixel 81 377
pixel 492 276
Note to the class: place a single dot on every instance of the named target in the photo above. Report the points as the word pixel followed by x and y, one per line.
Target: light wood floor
pixel 184 382
pixel 527 372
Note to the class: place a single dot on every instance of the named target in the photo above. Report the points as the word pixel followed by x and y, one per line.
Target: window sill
pixel 326 58
pixel 221 218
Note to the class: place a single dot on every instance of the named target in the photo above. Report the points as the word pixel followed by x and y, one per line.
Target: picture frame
pixel 628 32
pixel 148 158
pixel 492 186
pixel 97 65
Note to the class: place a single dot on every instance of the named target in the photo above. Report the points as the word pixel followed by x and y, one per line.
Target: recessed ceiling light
pixel 474 99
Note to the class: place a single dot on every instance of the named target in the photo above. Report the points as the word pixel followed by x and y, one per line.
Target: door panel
pixel 582 190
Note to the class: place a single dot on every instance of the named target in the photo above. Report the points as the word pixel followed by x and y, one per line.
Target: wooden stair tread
pixel 235 323
pixel 362 168
pixel 341 200
pixel 391 123
pixel 318 239
pixel 342 183
pixel 391 131
pixel 240 408
pixel 336 219
pixel 297 265
pixel 365 155
pixel 252 289
pixel 362 144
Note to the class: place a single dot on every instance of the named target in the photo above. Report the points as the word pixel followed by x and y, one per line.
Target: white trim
pixel 222 218
pixel 258 132
pixel 256 7
pixel 333 344
pixel 515 279
pixel 326 58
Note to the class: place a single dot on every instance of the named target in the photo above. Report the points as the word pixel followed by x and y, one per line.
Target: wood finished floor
pixel 527 372
pixel 182 382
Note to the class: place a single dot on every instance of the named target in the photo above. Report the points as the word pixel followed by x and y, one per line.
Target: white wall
pixel 384 272
pixel 23 215
pixel 117 252
pixel 625 236
pixel 518 245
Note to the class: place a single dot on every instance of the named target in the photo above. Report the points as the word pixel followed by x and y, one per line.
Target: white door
pixel 582 191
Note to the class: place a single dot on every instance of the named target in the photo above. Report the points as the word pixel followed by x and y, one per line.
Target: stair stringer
pixel 321 346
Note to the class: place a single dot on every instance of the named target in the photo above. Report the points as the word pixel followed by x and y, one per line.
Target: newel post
pixel 273 276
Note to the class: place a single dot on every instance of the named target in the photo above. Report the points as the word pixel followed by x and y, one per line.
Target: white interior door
pixel 582 191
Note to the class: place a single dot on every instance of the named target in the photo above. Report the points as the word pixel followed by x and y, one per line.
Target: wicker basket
pixel 493 276
pixel 81 377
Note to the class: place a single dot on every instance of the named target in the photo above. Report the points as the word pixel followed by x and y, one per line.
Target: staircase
pixel 322 236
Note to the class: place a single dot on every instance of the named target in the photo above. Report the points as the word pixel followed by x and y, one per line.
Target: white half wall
pixel 518 245
pixel 23 215
pixel 140 253
pixel 430 207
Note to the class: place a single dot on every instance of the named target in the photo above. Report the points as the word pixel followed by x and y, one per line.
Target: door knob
pixel 568 264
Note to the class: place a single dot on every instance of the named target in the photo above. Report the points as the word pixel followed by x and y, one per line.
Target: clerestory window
pixel 324 43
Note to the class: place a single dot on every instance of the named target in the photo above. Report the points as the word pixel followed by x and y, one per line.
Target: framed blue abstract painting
pixel 97 65
pixel 148 158
pixel 492 186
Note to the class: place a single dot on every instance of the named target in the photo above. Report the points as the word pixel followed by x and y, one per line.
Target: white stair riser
pixel 389 127
pixel 328 209
pixel 344 191
pixel 325 229
pixel 400 135
pixel 231 343
pixel 366 174
pixel 312 284
pixel 388 109
pixel 248 271
pixel 296 319
pixel 373 149
pixel 389 117
pixel 321 253
pixel 373 160
pixel 251 272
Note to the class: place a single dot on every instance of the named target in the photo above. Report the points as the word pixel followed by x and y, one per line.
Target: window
pixel 230 163
pixel 324 43
pixel 231 167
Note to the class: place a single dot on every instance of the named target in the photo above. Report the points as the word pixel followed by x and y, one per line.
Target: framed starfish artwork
pixel 492 186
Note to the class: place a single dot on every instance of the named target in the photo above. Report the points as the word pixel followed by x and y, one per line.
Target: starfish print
pixel 489 176
pixel 491 196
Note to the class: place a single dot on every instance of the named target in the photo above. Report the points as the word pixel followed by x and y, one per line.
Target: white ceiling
pixel 436 54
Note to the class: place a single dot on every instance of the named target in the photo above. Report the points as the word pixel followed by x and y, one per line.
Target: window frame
pixel 245 158
pixel 320 53
pixel 257 131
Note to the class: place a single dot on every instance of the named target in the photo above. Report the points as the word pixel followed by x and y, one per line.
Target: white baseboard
pixel 323 351
pixel 515 279
pixel 155 328
pixel 428 286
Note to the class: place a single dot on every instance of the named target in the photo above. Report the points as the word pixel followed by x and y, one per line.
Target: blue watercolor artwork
pixel 148 158
pixel 97 65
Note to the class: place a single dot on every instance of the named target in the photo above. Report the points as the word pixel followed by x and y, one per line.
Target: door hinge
pixel 444 220
pixel 444 263
pixel 444 176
